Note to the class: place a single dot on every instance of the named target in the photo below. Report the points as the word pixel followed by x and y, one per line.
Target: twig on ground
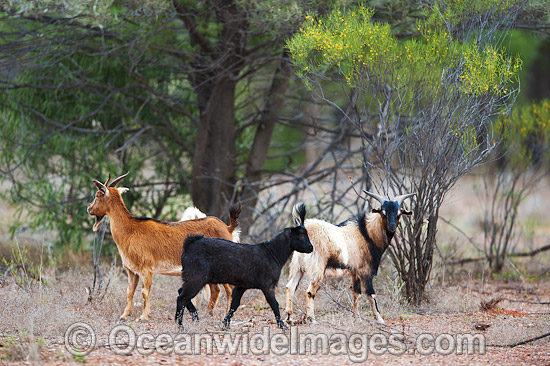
pixel 512 345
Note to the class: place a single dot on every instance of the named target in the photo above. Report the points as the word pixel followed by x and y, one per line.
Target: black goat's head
pixel 299 240
pixel 390 210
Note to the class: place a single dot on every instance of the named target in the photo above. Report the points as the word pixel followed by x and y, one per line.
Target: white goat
pixel 353 248
pixel 192 213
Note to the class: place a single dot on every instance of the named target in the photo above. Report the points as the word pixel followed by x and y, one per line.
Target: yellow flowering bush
pixel 526 134
pixel 346 42
pixel 349 44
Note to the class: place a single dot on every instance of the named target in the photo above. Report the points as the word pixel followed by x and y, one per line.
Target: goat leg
pixel 193 311
pixel 291 286
pixel 214 295
pixel 356 289
pixel 146 282
pixel 372 297
pixel 235 302
pixel 310 298
pixel 272 301
pixel 179 307
pixel 228 291
pixel 133 280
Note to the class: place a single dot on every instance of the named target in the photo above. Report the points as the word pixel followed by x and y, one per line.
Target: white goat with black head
pixel 353 248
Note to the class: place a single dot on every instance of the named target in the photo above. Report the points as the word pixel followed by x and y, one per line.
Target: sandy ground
pixel 35 323
pixel 35 326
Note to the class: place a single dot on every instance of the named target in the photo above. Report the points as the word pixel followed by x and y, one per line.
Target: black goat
pixel 246 266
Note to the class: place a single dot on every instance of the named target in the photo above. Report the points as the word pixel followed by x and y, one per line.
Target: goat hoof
pixel 309 319
pixel 195 317
pixel 282 325
pixel 143 320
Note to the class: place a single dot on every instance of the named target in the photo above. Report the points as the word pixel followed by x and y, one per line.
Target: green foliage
pixel 526 135
pixel 90 12
pixel 89 119
pixel 347 43
pixel 24 272
pixel 446 15
pixel 488 71
pixel 285 139
pixel 80 358
pixel 23 347
pixel 109 87
pixel 343 42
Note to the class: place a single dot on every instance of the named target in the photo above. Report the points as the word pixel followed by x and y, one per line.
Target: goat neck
pixel 279 247
pixel 377 231
pixel 119 215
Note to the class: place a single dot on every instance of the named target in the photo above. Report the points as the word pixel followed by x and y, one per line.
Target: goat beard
pixel 97 223
pixel 390 235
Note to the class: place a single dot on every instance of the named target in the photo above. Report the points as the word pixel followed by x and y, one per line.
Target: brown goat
pixel 149 246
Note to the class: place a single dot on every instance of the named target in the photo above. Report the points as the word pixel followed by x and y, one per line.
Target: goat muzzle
pixel 97 223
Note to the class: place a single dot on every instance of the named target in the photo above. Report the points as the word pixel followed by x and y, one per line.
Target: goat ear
pixel 406 212
pixel 377 210
pixel 100 186
pixel 122 190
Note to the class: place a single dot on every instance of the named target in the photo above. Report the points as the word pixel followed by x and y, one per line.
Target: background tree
pixel 525 136
pixel 185 95
pixel 93 88
pixel 422 106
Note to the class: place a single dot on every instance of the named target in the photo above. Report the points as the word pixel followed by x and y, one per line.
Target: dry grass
pixel 45 312
pixel 33 319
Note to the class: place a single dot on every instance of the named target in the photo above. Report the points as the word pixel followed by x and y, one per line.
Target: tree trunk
pixel 213 174
pixel 217 68
pixel 262 138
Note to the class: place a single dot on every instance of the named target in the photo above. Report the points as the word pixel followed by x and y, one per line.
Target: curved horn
pixel 115 182
pixel 380 199
pixel 108 181
pixel 100 186
pixel 401 198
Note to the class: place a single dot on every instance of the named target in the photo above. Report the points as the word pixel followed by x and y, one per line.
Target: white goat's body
pixel 192 213
pixel 343 245
pixel 339 251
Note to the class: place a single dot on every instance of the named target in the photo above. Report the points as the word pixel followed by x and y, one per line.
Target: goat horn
pixel 99 186
pixel 115 182
pixel 108 181
pixel 401 198
pixel 380 199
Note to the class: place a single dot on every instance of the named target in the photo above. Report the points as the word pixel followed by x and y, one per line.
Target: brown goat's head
pixel 390 210
pixel 107 194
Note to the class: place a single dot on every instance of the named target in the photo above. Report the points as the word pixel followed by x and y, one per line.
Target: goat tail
pixel 299 214
pixel 234 212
